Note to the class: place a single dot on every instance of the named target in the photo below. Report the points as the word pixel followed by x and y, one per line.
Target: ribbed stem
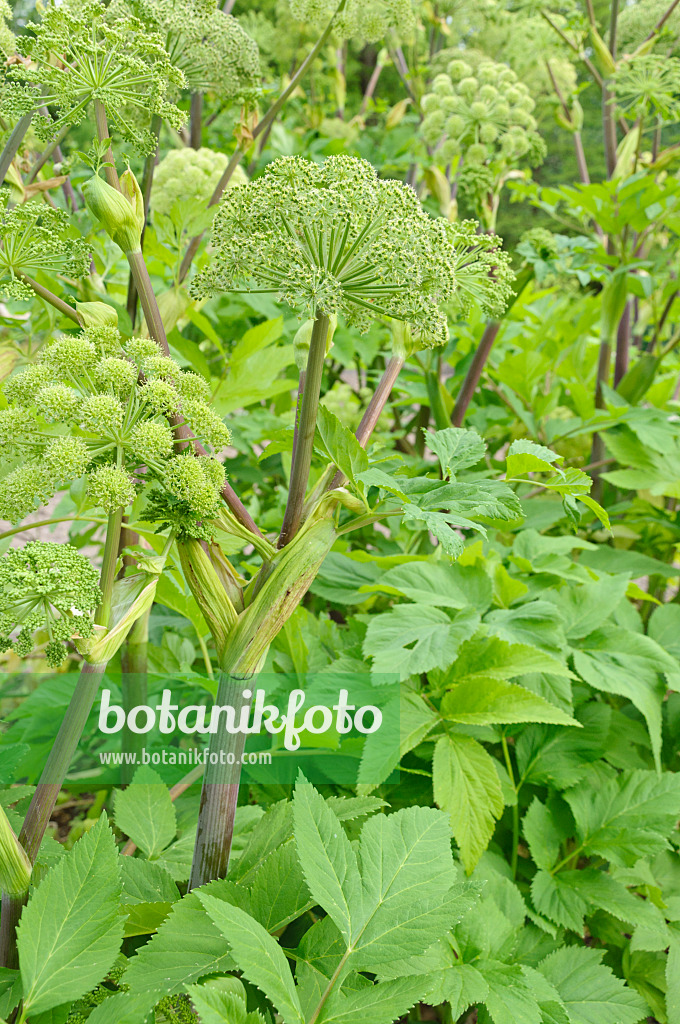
pixel 219 793
pixel 13 143
pixel 299 474
pixel 10 914
pixel 108 570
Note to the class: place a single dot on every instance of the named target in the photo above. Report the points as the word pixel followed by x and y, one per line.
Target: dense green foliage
pixel 365 367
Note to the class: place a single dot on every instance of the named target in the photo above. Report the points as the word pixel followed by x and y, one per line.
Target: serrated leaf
pixel 404 908
pixel 456 448
pixel 186 946
pixel 629 664
pixel 341 445
pixel 279 893
pixel 589 990
pixel 126 1008
pixel 460 986
pixel 414 638
pixel 70 932
pixel 626 817
pixel 416 721
pixel 327 858
pixel 490 657
pixel 223 1003
pixel 542 834
pixel 439 584
pixel 144 882
pixel 561 757
pixel 466 785
pixel 258 955
pixel 145 812
pixel 526 456
pixel 379 1004
pixel 568 895
pixel 481 701
pixel 509 997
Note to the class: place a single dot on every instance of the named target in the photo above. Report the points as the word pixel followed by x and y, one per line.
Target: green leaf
pixel 404 908
pixel 626 817
pixel 455 448
pixel 460 986
pixel 328 861
pixel 526 456
pixel 126 1008
pixel 589 990
pixel 445 586
pixel 416 720
pixel 560 757
pixel 568 895
pixel 70 932
pixel 379 1004
pixel 258 955
pixel 481 701
pixel 414 638
pixel 279 893
pixel 186 946
pixel 222 1001
pixel 584 609
pixel 630 664
pixel 542 834
pixel 509 997
pixel 341 445
pixel 144 882
pixel 145 812
pixel 466 785
pixel 673 980
pixel 490 657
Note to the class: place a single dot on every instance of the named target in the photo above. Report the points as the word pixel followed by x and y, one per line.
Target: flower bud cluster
pixel 80 51
pixel 336 239
pixel 483 115
pixel 366 21
pixel 7 40
pixel 209 46
pixel 36 238
pixel 85 411
pixel 189 174
pixel 47 587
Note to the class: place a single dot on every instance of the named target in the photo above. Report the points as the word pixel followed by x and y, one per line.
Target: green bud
pixel 208 589
pixel 114 212
pixel 15 867
pixel 129 186
pixel 96 314
pixel 303 338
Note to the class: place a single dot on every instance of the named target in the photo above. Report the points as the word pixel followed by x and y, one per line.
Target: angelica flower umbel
pixel 208 45
pixel 89 410
pixel 33 238
pixel 50 587
pixel 334 238
pixel 79 52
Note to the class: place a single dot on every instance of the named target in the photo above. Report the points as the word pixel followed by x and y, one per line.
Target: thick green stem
pixel 260 127
pixel 133 659
pixel 285 581
pixel 108 571
pixel 306 425
pixel 147 298
pixel 13 143
pixel 51 298
pixel 196 126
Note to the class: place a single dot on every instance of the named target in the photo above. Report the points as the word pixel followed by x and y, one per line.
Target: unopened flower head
pixel 7 40
pixel 34 238
pixel 118 437
pixel 187 174
pixel 366 21
pixel 334 238
pixel 48 587
pixel 80 51
pixel 481 115
pixel 209 46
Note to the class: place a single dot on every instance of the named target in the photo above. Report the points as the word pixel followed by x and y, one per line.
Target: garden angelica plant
pixel 256 449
